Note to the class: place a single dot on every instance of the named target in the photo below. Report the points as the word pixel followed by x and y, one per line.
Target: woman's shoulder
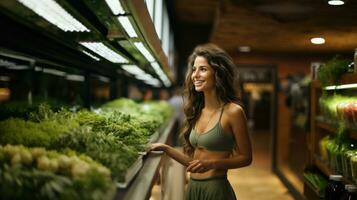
pixel 233 109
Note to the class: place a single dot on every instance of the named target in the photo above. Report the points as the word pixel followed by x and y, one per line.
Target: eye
pixel 203 69
pixel 193 69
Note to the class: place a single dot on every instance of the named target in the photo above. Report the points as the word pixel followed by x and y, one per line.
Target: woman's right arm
pixel 172 152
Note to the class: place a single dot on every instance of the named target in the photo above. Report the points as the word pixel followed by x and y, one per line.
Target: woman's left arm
pixel 243 155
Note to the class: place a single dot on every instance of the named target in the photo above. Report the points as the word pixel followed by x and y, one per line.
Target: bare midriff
pixel 204 154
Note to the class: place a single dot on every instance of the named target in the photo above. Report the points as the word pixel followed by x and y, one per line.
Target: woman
pixel 215 130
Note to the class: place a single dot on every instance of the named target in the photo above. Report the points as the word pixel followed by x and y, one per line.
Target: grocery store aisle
pixel 257 181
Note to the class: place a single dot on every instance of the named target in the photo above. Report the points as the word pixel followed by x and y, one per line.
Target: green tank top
pixel 213 140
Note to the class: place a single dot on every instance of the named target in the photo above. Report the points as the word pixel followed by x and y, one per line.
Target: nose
pixel 195 74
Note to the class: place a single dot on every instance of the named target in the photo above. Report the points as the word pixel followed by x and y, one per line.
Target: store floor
pixel 256 182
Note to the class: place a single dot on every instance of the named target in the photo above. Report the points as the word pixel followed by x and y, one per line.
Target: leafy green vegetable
pixel 331 71
pixel 317 181
pixel 104 148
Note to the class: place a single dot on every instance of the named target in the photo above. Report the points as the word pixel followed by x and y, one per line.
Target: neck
pixel 211 100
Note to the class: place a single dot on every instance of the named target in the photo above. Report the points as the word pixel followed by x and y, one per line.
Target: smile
pixel 198 82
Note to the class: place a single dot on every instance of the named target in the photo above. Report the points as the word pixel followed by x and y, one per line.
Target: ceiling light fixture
pixel 161 74
pixel 336 2
pixel 244 49
pixel 91 55
pixel 144 51
pixel 54 72
pixel 75 77
pixel 115 6
pixel 317 40
pixel 55 14
pixel 141 75
pixel 105 52
pixel 128 27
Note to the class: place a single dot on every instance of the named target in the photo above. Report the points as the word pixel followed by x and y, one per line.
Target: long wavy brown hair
pixel 227 87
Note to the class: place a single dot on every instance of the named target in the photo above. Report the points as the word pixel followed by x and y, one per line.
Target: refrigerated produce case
pixel 327 126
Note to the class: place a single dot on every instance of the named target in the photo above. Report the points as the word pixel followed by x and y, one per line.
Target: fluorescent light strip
pixel 141 75
pixel 115 6
pixel 54 72
pixel 133 69
pixel 55 14
pixel 161 74
pixel 150 7
pixel 154 82
pixel 91 55
pixel 75 77
pixel 19 67
pixel 103 78
pixel 128 27
pixel 144 51
pixel 158 17
pixel 337 87
pixel 105 52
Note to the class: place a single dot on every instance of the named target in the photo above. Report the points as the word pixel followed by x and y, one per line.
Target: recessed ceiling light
pixel 244 49
pixel 317 40
pixel 335 2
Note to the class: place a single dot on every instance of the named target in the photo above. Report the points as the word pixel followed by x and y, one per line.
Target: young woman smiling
pixel 215 136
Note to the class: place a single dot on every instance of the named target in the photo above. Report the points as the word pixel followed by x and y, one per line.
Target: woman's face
pixel 202 75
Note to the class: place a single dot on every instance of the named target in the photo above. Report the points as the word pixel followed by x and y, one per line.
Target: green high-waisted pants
pixel 214 188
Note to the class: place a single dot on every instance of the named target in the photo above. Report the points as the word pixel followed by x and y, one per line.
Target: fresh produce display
pixel 124 105
pixel 317 181
pixel 110 136
pixel 341 108
pixel 338 154
pixel 106 149
pixel 35 173
pixel 22 109
pixel 33 134
pixel 153 112
pixel 126 128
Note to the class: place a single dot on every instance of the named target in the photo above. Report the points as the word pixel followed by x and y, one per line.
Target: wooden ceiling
pixel 271 26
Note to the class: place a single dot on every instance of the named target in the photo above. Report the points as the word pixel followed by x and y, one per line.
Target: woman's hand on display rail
pixel 199 166
pixel 157 147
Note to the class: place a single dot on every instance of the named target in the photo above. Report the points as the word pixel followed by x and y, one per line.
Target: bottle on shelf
pixel 334 188
pixel 350 193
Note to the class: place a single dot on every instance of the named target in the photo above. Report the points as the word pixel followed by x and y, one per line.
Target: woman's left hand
pixel 199 166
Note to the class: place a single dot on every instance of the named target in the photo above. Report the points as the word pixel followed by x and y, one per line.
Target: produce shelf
pixel 131 172
pixel 328 126
pixel 326 170
pixel 140 187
